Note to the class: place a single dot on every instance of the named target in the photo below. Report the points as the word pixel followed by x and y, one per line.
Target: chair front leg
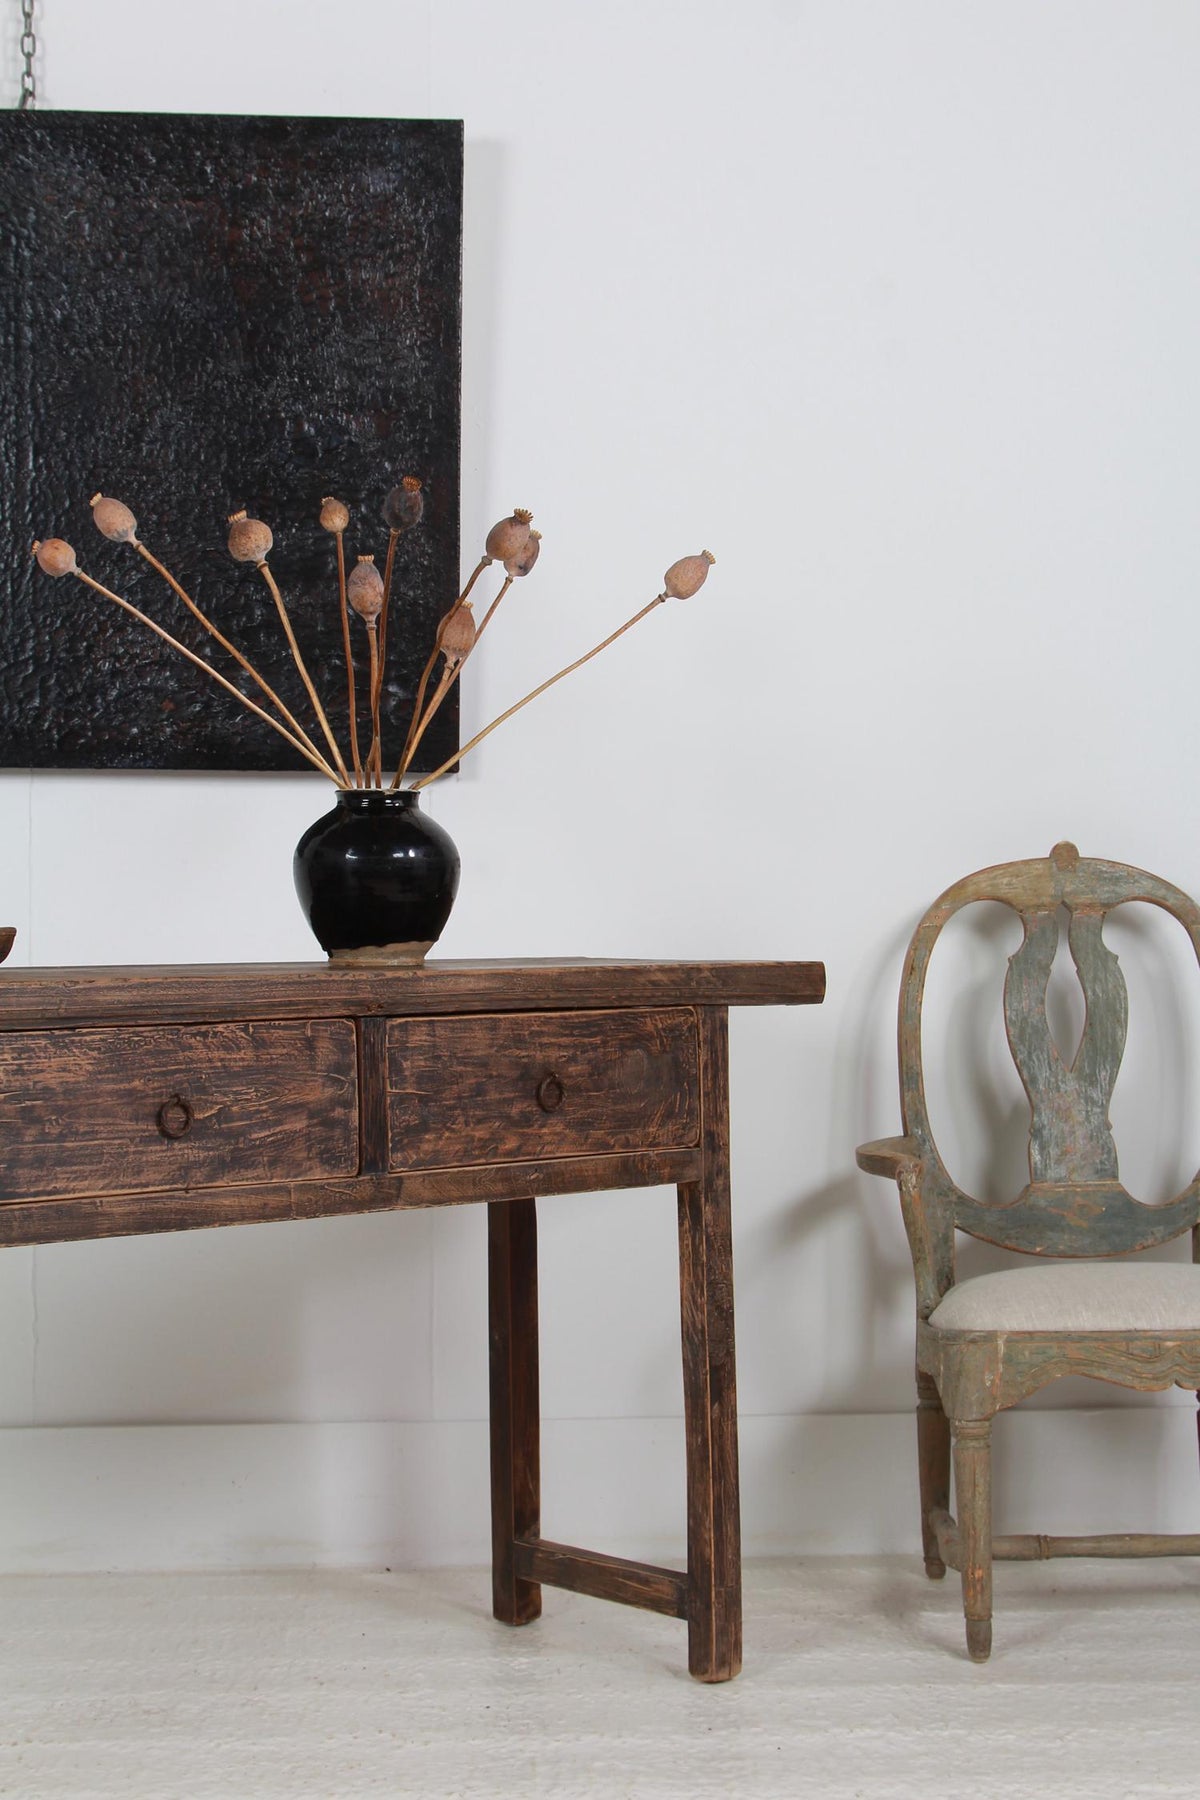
pixel 973 1506
pixel 933 1463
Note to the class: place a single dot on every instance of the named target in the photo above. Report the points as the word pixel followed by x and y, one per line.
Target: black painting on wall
pixel 201 314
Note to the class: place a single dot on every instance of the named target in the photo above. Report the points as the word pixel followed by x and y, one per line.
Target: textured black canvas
pixel 199 314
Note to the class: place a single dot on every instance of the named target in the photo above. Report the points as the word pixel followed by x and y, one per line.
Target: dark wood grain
pixel 139 1100
pixel 515 1409
pixel 500 1088
pixel 709 1380
pixel 372 1079
pixel 603 1577
pixel 202 991
pixel 87 1112
pixel 178 1209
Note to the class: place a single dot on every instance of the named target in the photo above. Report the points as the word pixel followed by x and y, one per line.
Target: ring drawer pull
pixel 550 1093
pixel 175 1117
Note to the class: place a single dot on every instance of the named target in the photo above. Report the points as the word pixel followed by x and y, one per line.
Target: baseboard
pixel 407 1494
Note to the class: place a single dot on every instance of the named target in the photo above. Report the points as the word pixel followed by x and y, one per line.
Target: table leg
pixel 709 1380
pixel 515 1409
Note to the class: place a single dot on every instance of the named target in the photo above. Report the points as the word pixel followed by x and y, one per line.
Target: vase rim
pixel 366 799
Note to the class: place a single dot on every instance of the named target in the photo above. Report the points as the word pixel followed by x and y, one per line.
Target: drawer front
pixel 520 1087
pixel 122 1111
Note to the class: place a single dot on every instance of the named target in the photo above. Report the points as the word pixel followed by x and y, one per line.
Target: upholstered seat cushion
pixel 1076 1296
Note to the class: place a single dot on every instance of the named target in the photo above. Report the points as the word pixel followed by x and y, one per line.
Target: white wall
pixel 894 308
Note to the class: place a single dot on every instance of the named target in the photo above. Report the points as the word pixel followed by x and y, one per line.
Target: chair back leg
pixel 973 1506
pixel 933 1462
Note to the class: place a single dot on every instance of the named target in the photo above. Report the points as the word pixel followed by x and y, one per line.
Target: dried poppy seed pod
pixel 526 556
pixel 404 507
pixel 456 633
pixel 335 514
pixel 55 557
pixel 249 539
pixel 114 519
pixel 509 537
pixel 364 590
pixel 687 576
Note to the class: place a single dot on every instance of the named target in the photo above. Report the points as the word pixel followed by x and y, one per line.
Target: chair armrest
pixel 928 1224
pixel 889 1156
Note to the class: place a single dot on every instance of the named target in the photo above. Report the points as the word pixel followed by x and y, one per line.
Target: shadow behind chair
pixel 985 1343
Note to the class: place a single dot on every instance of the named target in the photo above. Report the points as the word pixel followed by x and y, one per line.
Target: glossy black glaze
pixel 376 871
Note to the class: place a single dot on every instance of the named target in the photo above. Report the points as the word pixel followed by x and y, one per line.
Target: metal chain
pixel 28 51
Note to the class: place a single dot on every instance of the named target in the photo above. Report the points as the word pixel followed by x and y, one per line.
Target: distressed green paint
pixel 1070 1139
pixel 1073 1205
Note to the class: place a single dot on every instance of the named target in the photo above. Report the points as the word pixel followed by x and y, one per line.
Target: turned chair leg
pixel 973 1506
pixel 933 1463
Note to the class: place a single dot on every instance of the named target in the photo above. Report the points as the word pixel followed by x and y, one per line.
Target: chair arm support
pixel 929 1230
pixel 889 1156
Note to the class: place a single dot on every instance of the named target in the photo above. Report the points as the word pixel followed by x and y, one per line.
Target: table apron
pixel 182 1209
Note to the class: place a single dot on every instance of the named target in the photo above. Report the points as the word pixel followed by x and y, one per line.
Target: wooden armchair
pixel 985 1343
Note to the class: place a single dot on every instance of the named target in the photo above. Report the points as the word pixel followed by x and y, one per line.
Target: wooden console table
pixel 162 1099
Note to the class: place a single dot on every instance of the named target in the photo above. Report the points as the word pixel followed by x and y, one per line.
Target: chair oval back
pixel 1074 1203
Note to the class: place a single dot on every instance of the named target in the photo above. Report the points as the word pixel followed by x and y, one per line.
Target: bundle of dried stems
pixel 513 543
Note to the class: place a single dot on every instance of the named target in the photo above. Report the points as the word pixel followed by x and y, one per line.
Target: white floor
pixel 354 1683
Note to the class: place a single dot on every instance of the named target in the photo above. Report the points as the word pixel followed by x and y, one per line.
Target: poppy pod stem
pixel 476 572
pixel 427 671
pixel 349 653
pixel 313 757
pixel 379 641
pixel 364 591
pixel 375 753
pixel 570 668
pixel 447 682
pixel 491 611
pixel 305 677
pixel 418 705
pixel 389 564
pixel 243 661
pixel 449 676
pixel 403 508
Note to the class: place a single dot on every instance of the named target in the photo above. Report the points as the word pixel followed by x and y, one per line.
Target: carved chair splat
pixel 988 1342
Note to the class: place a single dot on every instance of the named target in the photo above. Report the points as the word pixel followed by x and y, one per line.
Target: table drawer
pixel 119 1111
pixel 519 1087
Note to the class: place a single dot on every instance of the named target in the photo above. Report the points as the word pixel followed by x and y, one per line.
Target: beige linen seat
pixel 1116 1296
pixel 985 1343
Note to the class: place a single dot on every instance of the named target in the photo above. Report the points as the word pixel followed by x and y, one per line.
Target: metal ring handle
pixel 175 1117
pixel 550 1093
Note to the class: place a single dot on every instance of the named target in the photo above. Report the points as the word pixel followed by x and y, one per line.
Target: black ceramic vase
pixel 376 878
